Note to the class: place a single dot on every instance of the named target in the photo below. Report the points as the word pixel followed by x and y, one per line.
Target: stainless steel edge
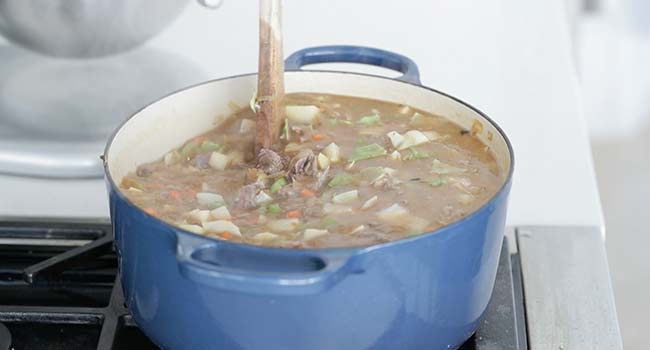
pixel 567 289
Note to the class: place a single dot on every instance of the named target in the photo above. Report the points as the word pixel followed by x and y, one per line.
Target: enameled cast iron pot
pixel 188 291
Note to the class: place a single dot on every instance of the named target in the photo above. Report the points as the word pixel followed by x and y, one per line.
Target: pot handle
pixel 355 54
pixel 257 270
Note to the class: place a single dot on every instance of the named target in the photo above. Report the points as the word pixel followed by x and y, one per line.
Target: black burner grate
pixel 59 289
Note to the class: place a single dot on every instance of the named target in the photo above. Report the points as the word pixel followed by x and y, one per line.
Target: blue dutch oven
pixel 187 291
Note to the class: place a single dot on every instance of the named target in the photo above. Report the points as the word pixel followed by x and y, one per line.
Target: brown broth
pixel 434 183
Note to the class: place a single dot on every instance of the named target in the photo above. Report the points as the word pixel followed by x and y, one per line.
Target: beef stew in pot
pixel 346 172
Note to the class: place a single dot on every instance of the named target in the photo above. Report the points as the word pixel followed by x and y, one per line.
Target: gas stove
pixel 60 289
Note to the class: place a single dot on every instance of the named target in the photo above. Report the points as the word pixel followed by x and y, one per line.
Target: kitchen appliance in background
pixel 60 99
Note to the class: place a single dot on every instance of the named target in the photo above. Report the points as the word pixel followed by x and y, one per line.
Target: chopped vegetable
pixel 192 228
pixel 278 184
pixel 333 209
pixel 395 138
pixel 341 179
pixel 226 235
pixel 327 222
pixel 171 158
pixel 323 161
pixel 218 161
pixel 150 211
pixel 312 233
pixel 431 135
pixel 274 209
pixel 302 114
pixel 220 213
pixel 441 168
pixel 358 229
pixel 346 197
pixel 246 126
pixel 221 226
pixel 412 138
pixel 404 110
pixel 307 193
pixel 265 237
pixel 294 214
pixel 333 152
pixel 366 152
pixel 262 198
pixel 370 120
pixel 396 215
pixel 317 137
pixel 437 182
pixel 395 155
pixel 198 216
pixel 370 202
pixel 414 154
pixel 283 225
pixel 209 146
pixel 133 189
pixel 252 103
pixel 211 200
pixel 189 150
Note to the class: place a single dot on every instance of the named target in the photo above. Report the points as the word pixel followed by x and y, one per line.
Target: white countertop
pixel 510 59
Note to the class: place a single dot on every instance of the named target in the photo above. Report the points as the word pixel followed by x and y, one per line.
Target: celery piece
pixel 189 150
pixel 274 209
pixel 366 152
pixel 370 120
pixel 209 146
pixel 278 184
pixel 341 179
pixel 437 182
pixel 415 154
pixel 328 222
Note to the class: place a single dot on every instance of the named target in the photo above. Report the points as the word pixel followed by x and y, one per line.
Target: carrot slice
pixel 226 235
pixel 174 194
pixel 294 214
pixel 317 137
pixel 307 193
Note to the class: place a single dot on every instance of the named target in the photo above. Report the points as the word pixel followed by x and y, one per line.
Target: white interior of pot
pixel 170 122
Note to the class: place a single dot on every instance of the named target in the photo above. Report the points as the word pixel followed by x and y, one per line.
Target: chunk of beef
pixel 245 198
pixel 303 164
pixel 270 162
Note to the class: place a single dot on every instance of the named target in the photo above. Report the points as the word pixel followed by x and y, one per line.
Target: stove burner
pixel 59 289
pixel 5 337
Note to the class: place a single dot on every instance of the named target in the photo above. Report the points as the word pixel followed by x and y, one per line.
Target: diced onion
pixel 346 197
pixel 323 161
pixel 246 126
pixel 221 226
pixel 412 138
pixel 333 152
pixel 220 213
pixel 395 155
pixel 198 216
pixel 370 202
pixel 265 236
pixel 329 208
pixel 396 138
pixel 431 135
pixel 302 114
pixel 283 225
pixel 405 110
pixel 192 228
pixel 396 215
pixel 312 233
pixel 211 200
pixel 358 229
pixel 262 198
pixel 218 161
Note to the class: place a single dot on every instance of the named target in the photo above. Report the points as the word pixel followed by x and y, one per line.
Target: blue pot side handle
pixel 355 54
pixel 257 270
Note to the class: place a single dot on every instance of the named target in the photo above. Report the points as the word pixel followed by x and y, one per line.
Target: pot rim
pixel 444 229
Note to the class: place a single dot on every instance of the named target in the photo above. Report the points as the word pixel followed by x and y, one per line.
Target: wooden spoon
pixel 270 83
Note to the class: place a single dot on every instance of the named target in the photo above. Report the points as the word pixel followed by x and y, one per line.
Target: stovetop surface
pixel 60 289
